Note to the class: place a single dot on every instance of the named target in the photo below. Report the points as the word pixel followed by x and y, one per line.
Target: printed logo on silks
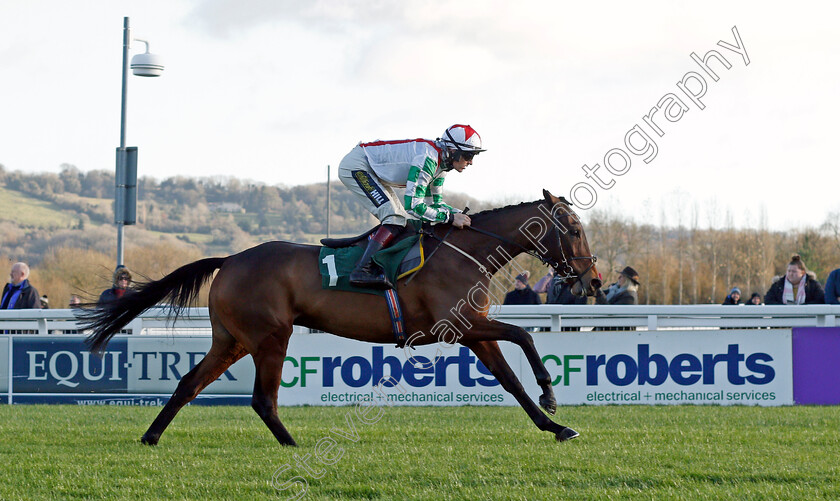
pixel 369 186
pixel 66 366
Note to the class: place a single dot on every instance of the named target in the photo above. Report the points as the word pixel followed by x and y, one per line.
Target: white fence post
pixel 555 322
pixel 10 369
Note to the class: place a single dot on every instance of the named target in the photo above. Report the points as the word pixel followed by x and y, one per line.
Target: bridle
pixel 569 276
pixel 569 272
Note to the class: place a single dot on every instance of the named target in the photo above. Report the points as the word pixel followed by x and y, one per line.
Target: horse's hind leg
pixel 224 351
pixel 491 355
pixel 268 359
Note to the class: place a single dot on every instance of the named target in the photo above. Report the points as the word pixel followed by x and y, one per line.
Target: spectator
pixel 623 291
pixel 75 301
pixel 755 299
pixel 122 286
pixel 734 296
pixel 832 287
pixel 798 286
pixel 45 302
pixel 543 285
pixel 522 292
pixel 19 294
pixel 560 292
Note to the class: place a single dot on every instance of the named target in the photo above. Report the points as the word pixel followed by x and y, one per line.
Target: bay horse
pixel 260 293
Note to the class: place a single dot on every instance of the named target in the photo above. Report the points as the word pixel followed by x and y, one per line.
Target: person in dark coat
pixel 797 286
pixel 560 292
pixel 734 297
pixel 522 292
pixel 121 287
pixel 755 299
pixel 623 291
pixel 832 287
pixel 19 294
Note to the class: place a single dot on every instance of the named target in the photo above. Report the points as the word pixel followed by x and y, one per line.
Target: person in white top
pixel 372 171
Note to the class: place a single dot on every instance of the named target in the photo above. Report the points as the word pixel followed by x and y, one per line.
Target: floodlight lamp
pixel 146 64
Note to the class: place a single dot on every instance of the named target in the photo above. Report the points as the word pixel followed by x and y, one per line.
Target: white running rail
pixel 196 321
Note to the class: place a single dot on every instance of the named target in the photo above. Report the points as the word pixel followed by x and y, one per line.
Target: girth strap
pixel 393 301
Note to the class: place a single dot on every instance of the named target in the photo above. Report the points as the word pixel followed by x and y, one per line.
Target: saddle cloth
pixel 399 260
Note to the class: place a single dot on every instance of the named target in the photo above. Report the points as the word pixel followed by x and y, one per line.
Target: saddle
pixel 409 255
pixel 339 256
pixel 410 230
pixel 338 243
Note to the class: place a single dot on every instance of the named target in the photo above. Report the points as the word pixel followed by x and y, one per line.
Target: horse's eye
pixel 576 233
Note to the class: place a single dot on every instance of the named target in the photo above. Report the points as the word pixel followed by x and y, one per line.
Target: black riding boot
pixel 367 273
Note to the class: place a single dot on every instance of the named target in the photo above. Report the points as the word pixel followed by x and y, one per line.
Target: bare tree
pixel 607 236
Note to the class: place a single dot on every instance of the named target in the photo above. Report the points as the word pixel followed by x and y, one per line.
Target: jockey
pixel 372 171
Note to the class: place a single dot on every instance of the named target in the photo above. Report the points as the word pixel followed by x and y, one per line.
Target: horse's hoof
pixel 549 404
pixel 566 434
pixel 149 440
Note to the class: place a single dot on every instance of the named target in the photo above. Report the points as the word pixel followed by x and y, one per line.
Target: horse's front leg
pixel 491 356
pixel 500 331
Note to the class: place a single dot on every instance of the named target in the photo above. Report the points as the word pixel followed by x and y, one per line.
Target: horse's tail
pixel 178 289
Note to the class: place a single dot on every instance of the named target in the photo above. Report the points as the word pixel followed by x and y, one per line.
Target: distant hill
pixel 218 216
pixel 30 212
pixel 62 224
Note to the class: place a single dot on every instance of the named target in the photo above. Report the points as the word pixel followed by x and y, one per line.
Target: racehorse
pixel 260 293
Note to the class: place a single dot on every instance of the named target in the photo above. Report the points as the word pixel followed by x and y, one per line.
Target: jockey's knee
pixel 395 220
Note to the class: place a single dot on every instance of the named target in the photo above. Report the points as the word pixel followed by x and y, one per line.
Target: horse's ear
pixel 549 197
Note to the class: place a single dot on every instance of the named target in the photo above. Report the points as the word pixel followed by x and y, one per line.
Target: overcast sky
pixel 274 91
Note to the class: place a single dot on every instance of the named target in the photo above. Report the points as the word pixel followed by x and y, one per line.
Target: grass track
pixel 624 452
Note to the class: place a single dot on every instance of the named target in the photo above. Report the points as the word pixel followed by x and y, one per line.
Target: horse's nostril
pixel 595 283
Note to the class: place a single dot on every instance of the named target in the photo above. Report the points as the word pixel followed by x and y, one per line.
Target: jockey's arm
pixel 421 185
pixel 459 220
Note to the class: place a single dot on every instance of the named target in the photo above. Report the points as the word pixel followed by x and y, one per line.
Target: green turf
pixel 624 452
pixel 28 211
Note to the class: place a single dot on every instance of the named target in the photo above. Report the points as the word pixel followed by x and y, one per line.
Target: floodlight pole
pixel 121 223
pixel 329 201
pixel 125 180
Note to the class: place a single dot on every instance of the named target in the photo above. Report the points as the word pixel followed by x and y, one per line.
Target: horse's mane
pixel 490 212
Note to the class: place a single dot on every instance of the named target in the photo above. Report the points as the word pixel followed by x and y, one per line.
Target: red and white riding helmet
pixel 462 138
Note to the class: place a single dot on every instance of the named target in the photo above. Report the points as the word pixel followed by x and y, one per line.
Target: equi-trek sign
pixel 752 367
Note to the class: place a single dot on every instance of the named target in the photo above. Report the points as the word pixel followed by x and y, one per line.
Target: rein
pixel 431 234
pixel 545 260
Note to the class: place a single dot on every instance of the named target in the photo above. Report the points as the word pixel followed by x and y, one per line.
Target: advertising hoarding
pixel 725 367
